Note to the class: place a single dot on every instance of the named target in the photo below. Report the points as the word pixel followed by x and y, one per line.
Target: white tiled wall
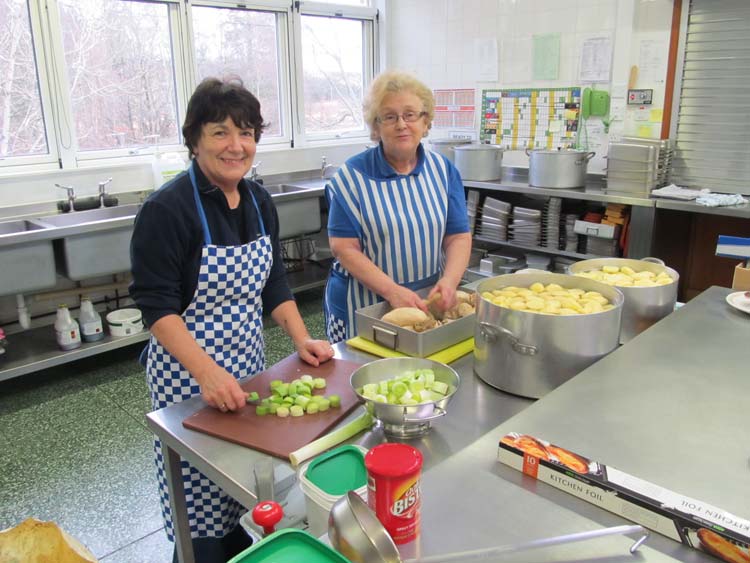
pixel 434 39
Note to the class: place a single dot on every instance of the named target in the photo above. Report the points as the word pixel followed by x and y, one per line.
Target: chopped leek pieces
pixel 294 398
pixel 411 388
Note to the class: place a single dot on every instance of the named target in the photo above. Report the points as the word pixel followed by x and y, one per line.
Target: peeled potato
pixel 627 277
pixel 404 316
pixel 34 541
pixel 550 300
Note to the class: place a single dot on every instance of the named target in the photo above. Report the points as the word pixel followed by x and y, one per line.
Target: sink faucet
pixel 254 174
pixel 102 191
pixel 325 168
pixel 71 195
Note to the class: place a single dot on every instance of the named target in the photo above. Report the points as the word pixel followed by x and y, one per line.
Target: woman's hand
pixel 447 294
pixel 404 297
pixel 221 390
pixel 315 352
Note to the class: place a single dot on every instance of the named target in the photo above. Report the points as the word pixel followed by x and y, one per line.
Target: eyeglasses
pixel 408 116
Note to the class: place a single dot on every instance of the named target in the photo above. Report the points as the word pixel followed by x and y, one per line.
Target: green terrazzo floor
pixel 75 449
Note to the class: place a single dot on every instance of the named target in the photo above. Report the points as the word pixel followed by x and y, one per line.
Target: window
pixel 22 128
pixel 333 83
pixel 88 81
pixel 119 63
pixel 243 43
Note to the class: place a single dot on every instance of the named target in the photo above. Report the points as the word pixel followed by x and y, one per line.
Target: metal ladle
pixel 358 535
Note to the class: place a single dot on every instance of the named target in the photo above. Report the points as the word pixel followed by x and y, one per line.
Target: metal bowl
pixel 400 420
pixel 357 534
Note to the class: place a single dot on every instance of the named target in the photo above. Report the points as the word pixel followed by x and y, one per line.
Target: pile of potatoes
pixel 552 299
pixel 417 320
pixel 627 277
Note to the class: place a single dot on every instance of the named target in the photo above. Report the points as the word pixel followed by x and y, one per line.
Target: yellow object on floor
pixel 446 356
pixel 34 541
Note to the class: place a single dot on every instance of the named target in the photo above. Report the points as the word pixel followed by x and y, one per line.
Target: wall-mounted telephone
pixel 594 103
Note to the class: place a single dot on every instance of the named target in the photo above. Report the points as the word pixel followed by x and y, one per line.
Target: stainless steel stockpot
pixel 479 162
pixel 529 354
pixel 446 147
pixel 565 168
pixel 643 306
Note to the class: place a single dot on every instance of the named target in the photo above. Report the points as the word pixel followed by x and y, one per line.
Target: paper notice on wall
pixel 485 54
pixel 546 56
pixel 596 59
pixel 652 62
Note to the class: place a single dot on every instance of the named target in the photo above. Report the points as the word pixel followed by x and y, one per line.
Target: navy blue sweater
pixel 165 250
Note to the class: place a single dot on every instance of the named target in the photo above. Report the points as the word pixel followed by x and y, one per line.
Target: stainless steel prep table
pixel 665 407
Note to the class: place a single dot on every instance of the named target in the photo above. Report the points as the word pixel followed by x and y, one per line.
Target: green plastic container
pixel 289 546
pixel 338 471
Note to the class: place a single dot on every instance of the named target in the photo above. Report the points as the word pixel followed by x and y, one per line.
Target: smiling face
pixel 401 139
pixel 225 153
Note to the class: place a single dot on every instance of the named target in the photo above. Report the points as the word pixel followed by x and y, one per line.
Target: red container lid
pixel 393 460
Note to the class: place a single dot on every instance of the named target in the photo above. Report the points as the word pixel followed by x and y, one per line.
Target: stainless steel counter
pixel 669 407
pixel 742 211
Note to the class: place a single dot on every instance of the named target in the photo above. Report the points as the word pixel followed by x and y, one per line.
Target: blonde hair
pixel 393 82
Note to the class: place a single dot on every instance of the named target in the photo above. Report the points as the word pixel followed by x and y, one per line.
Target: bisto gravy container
pixel 393 489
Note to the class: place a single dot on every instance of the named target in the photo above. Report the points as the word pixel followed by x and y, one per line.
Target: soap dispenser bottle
pixel 66 329
pixel 91 322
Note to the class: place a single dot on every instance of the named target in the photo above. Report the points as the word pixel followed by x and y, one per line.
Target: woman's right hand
pixel 404 297
pixel 221 390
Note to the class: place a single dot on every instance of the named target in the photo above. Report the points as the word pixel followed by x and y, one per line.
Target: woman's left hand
pixel 447 294
pixel 315 352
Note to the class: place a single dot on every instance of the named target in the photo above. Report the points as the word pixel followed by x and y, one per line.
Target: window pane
pixel 347 2
pixel 241 43
pixel 21 123
pixel 121 72
pixel 333 74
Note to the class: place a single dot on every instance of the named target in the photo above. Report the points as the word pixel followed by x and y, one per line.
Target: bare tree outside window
pixel 241 43
pixel 22 130
pixel 333 62
pixel 121 73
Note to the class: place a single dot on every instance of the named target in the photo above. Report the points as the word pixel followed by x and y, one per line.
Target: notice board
pixel 533 118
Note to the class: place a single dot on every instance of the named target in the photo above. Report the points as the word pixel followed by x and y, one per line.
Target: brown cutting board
pixel 272 434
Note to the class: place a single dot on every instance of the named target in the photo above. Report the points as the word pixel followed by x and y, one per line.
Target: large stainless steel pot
pixel 446 147
pixel 529 354
pixel 479 162
pixel 564 168
pixel 643 306
pixel 405 421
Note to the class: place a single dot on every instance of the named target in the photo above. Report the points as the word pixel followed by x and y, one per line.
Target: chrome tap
pixel 254 174
pixel 325 168
pixel 71 195
pixel 102 191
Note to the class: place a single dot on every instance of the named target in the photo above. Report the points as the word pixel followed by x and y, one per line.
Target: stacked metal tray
pixel 417 344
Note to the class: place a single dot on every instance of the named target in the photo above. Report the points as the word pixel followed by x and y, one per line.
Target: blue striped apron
pixel 225 317
pixel 401 222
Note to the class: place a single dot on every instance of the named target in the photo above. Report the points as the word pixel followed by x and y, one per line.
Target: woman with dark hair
pixel 206 261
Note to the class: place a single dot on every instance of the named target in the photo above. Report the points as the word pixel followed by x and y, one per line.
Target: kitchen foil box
pixel 689 521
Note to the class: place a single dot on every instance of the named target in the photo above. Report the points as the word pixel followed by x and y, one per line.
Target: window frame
pixel 56 105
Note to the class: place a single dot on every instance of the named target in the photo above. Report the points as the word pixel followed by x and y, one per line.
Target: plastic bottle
pixel 165 167
pixel 91 322
pixel 66 329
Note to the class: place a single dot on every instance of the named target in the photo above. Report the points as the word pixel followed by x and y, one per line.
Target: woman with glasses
pixel 397 217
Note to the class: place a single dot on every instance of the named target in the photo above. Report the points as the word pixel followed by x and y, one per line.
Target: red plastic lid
pixel 393 460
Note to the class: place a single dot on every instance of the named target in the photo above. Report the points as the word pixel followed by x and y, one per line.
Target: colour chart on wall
pixel 534 118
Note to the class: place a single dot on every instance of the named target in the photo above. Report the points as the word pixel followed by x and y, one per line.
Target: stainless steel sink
pixel 298 208
pixel 28 264
pixel 93 243
pixel 90 216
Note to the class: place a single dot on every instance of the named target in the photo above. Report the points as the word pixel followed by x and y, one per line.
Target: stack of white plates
pixel 493 222
pixel 552 223
pixel 526 227
pixel 571 237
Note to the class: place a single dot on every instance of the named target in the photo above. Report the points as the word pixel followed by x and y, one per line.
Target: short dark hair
pixel 213 101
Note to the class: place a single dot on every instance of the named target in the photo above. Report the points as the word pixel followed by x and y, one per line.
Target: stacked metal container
pixel 638 165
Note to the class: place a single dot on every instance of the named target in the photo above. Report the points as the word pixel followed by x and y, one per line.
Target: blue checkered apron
pixel 225 317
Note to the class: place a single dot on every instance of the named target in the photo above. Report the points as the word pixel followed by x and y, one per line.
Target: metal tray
pixel 418 344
